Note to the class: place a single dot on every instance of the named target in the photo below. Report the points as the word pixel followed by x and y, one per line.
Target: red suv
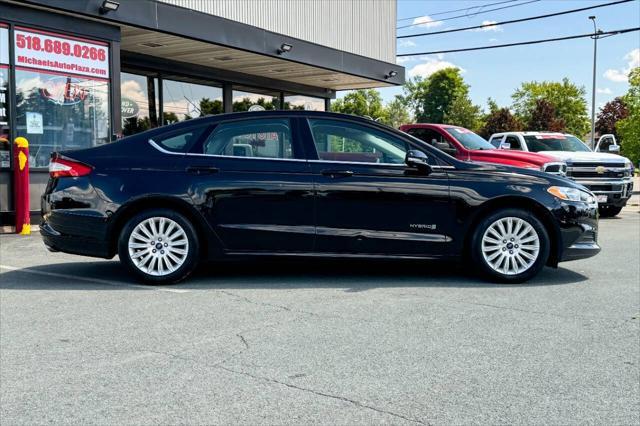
pixel 465 145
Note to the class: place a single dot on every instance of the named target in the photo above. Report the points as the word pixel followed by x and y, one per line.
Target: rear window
pixel 180 140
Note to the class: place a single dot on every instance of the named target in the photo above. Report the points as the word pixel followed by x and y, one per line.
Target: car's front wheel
pixel 510 245
pixel 160 246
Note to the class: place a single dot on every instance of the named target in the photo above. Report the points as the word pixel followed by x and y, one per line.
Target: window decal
pixel 55 52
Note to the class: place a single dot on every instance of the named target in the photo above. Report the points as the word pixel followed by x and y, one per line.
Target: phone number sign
pixel 55 52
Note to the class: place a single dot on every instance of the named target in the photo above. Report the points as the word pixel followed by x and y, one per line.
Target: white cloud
pixel 605 91
pixel 403 59
pixel 489 26
pixel 405 43
pixel 622 75
pixel 493 40
pixel 427 68
pixel 426 22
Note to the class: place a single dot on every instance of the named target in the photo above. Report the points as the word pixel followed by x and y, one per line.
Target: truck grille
pixel 599 171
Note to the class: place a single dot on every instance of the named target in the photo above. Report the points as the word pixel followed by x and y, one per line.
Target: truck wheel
pixel 609 211
pixel 510 246
pixel 160 246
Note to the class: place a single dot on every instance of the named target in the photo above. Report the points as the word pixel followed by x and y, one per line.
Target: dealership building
pixel 81 73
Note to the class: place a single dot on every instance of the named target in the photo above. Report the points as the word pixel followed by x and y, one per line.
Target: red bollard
pixel 21 186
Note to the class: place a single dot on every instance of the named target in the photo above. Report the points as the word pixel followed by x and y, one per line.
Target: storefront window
pixel 254 100
pixel 5 137
pixel 57 112
pixel 183 101
pixel 303 102
pixel 139 103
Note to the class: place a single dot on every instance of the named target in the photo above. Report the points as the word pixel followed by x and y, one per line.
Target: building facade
pixel 76 74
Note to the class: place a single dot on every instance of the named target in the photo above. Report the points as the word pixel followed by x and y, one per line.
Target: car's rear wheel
pixel 160 246
pixel 609 211
pixel 510 246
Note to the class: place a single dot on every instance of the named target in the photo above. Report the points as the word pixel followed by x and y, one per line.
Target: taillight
pixel 59 167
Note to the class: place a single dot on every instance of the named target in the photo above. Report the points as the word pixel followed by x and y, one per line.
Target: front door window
pixel 345 141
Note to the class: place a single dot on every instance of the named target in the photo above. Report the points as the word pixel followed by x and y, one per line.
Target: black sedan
pixel 299 183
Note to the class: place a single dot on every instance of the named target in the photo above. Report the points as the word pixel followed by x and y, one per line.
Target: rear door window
pixel 260 138
pixel 180 140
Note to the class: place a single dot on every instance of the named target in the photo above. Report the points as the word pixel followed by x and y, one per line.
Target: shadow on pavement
pixel 351 275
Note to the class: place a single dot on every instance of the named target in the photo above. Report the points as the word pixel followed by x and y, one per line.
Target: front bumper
pixel 585 246
pixel 615 193
pixel 578 223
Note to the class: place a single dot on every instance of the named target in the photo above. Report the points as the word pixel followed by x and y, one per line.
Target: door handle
pixel 337 173
pixel 202 170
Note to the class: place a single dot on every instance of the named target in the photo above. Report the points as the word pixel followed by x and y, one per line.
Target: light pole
pixel 595 36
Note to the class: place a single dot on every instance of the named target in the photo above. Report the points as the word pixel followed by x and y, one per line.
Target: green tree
pixel 629 128
pixel 210 107
pixel 442 98
pixel 462 112
pixel 567 99
pixel 499 120
pixel 362 102
pixel 395 113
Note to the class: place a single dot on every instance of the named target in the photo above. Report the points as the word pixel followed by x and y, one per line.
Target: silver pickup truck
pixel 609 176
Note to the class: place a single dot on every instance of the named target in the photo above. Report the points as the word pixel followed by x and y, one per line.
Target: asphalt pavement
pixel 320 342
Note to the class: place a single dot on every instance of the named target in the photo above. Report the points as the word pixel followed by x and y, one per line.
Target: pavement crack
pixel 270 305
pixel 324 394
pixel 244 341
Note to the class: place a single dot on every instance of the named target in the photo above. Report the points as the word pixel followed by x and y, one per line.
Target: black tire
pixel 609 211
pixel 192 252
pixel 482 264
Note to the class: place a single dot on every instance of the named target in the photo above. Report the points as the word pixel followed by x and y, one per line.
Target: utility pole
pixel 596 35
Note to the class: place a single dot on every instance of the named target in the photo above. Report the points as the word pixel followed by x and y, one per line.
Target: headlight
pixel 571 194
pixel 629 165
pixel 555 168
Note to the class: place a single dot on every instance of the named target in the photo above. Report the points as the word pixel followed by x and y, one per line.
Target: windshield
pixel 570 143
pixel 468 139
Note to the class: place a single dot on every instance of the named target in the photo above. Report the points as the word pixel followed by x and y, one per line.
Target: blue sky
pixel 497 73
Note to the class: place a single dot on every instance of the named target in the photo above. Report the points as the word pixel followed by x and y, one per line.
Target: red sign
pixel 56 52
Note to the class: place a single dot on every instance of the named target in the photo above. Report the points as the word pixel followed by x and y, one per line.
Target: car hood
pixel 584 156
pixel 521 156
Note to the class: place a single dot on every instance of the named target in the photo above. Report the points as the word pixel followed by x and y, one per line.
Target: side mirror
pixel 418 159
pixel 614 148
pixel 505 145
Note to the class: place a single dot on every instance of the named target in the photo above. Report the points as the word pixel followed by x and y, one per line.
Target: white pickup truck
pixel 609 176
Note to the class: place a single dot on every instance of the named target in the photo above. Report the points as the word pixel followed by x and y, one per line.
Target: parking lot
pixel 320 342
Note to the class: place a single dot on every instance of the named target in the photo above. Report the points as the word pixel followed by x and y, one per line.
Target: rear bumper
pixel 55 240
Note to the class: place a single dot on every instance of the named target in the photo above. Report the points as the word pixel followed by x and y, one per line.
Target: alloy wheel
pixel 158 246
pixel 510 245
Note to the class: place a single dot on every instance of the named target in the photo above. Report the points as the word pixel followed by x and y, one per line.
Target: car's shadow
pixel 350 275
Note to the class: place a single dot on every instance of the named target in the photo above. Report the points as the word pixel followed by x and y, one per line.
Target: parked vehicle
pixel 302 183
pixel 465 145
pixel 607 143
pixel 608 176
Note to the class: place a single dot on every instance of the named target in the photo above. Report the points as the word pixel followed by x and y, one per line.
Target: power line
pixel 513 21
pixel 466 15
pixel 522 43
pixel 459 10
